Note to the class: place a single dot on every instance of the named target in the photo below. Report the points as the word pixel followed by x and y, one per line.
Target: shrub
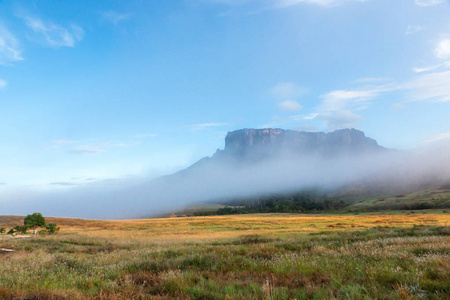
pixel 51 228
pixel 2 230
pixel 21 229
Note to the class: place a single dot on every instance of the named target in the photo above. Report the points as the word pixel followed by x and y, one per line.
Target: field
pixel 267 256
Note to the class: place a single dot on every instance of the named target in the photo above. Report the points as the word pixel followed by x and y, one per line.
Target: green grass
pixel 431 198
pixel 372 263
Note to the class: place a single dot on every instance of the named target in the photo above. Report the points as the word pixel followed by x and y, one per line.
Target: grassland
pixel 432 197
pixel 269 256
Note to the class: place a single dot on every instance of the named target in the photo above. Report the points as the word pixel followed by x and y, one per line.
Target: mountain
pixel 275 159
pixel 248 142
pixel 259 145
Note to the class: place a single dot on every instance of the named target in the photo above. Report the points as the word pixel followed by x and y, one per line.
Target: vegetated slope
pixel 430 198
pixel 345 200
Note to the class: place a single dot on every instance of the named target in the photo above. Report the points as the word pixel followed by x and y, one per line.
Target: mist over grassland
pixel 226 178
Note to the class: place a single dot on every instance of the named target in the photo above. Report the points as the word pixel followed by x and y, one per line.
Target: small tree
pixel 51 228
pixel 11 231
pixel 21 229
pixel 34 221
pixel 2 230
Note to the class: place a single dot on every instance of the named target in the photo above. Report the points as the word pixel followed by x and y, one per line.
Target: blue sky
pixel 94 90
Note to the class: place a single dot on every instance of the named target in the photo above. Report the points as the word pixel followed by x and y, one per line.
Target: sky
pixel 92 91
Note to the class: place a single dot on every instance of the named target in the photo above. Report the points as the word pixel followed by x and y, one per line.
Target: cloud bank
pixel 221 180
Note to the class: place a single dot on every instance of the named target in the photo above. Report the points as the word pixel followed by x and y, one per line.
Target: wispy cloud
pixel 340 119
pixel 304 117
pixel 442 49
pixel 344 99
pixel 2 83
pixel 338 107
pixel 413 29
pixel 282 3
pixel 53 34
pixel 280 120
pixel 287 90
pixel 425 69
pixel 9 47
pixel 286 94
pixel 114 17
pixel 143 136
pixel 259 6
pixel 58 143
pixel 204 126
pixel 289 105
pixel 429 2
pixel 326 3
pixel 89 149
pixel 432 86
pixel 371 80
pixel 437 138
pixel 66 183
pixel 99 148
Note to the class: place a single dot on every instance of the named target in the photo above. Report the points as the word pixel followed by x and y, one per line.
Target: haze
pixel 101 98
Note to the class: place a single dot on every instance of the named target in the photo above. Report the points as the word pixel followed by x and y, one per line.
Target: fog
pixel 215 179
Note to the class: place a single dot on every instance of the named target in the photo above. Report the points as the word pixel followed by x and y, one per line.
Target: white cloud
pixel 58 143
pixel 289 105
pixel 413 29
pixel 327 3
pixel 287 90
pixel 143 136
pixel 55 35
pixel 342 99
pixel 66 183
pixel 426 69
pixel 442 49
pixel 99 148
pixel 89 149
pixel 204 126
pixel 9 47
pixel 340 119
pixel 114 17
pixel 432 86
pixel 2 83
pixel 438 138
pixel 371 80
pixel 281 3
pixel 429 2
pixel 258 6
pixel 304 117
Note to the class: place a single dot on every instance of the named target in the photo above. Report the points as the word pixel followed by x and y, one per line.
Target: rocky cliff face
pixel 251 142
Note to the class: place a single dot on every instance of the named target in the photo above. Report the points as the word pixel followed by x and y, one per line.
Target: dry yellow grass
pixel 233 225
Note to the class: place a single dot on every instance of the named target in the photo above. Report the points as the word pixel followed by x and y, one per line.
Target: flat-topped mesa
pixel 271 141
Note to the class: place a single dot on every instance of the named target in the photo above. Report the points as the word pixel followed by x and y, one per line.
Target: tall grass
pixel 265 262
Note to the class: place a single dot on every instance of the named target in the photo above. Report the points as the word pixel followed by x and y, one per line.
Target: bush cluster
pixel 32 221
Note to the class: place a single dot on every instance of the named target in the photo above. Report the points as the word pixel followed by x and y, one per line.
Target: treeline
pixel 295 203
